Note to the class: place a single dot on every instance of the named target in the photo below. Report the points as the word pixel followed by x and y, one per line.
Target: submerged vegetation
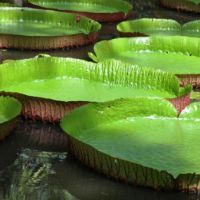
pixel 33 170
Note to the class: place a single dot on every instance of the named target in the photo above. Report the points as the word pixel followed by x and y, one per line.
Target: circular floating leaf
pixel 37 29
pixel 100 10
pixel 176 54
pixel 195 96
pixel 10 108
pixel 67 79
pixel 138 140
pixel 149 26
pixel 192 28
pixel 72 80
pixel 153 26
pixel 8 5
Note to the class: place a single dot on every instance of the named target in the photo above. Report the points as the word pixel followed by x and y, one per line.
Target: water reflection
pixel 29 177
pixel 32 135
pixel 43 136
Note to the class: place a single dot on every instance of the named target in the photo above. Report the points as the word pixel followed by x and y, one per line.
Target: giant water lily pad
pixel 176 54
pixel 149 26
pixel 72 80
pixel 8 5
pixel 153 26
pixel 138 140
pixel 36 29
pixel 184 5
pixel 191 28
pixel 100 10
pixel 10 108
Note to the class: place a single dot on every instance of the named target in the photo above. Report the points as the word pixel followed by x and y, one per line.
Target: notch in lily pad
pixel 139 141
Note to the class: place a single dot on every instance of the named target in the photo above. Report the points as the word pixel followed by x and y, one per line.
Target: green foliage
pixel 94 6
pixel 143 132
pixel 9 109
pixel 67 79
pixel 163 27
pixel 36 22
pixel 175 54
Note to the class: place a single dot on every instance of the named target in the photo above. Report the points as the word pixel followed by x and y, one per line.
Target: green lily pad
pixel 192 28
pixel 150 26
pixel 184 5
pixel 49 87
pixel 138 140
pixel 66 79
pixel 100 10
pixel 36 22
pixel 93 6
pixel 8 5
pixel 26 28
pixel 195 95
pixel 153 26
pixel 176 54
pixel 10 108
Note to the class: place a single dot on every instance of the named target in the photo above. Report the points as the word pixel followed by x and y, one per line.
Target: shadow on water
pixel 34 164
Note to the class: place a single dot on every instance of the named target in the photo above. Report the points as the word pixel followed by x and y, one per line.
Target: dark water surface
pixel 34 162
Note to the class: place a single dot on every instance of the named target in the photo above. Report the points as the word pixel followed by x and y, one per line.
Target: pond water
pixel 34 160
